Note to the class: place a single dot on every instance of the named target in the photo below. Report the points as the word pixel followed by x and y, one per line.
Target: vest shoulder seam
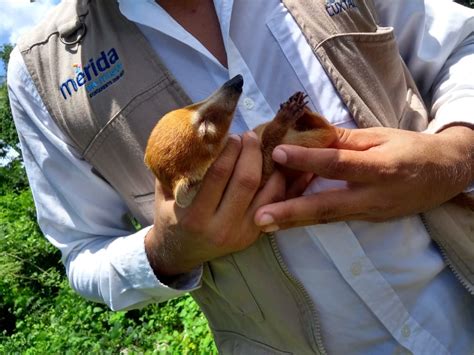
pixel 27 47
pixel 51 25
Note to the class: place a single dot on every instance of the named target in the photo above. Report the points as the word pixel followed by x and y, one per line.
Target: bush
pixel 39 313
pixel 469 3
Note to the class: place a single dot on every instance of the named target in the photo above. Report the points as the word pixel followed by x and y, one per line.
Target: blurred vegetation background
pixel 39 313
pixel 469 3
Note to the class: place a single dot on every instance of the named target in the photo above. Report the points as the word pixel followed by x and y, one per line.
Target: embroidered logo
pixel 96 76
pixel 335 7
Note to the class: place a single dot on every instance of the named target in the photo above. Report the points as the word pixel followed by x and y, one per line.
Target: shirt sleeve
pixel 436 41
pixel 79 213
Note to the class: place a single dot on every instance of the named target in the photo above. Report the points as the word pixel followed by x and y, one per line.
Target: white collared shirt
pixel 378 288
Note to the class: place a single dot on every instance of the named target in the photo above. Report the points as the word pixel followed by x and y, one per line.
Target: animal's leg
pixel 289 113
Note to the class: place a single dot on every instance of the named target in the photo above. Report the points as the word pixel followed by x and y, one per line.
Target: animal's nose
pixel 235 83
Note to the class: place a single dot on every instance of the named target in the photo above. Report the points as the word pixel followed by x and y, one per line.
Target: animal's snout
pixel 236 83
pixel 225 99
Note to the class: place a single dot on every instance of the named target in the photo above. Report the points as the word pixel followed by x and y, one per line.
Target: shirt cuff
pixel 132 264
pixel 456 112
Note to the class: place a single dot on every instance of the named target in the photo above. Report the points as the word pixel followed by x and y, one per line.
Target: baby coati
pixel 185 142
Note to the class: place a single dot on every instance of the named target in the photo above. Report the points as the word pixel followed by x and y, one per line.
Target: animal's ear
pixel 185 190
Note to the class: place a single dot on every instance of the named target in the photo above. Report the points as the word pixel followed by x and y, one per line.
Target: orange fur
pixel 293 124
pixel 174 150
pixel 179 156
pixel 185 142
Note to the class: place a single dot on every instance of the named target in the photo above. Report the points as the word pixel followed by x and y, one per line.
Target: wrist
pixel 166 261
pixel 459 140
pixel 156 256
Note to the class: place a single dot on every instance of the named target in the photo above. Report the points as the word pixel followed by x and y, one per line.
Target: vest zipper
pixel 300 287
pixel 467 285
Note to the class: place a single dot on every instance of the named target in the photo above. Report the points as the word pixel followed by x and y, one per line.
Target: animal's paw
pixel 185 191
pixel 294 107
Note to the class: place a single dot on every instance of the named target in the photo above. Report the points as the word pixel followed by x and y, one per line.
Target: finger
pixel 353 217
pixel 273 191
pixel 318 208
pixel 296 187
pixel 245 179
pixel 216 179
pixel 360 139
pixel 164 200
pixel 161 194
pixel 330 163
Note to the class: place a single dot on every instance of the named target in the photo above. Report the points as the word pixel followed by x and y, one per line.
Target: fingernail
pixel 235 137
pixel 279 156
pixel 270 229
pixel 265 220
pixel 252 134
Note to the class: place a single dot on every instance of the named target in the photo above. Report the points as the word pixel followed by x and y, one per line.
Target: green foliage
pixel 39 312
pixel 7 128
pixel 469 3
pixel 5 50
pixel 12 173
pixel 8 136
pixel 13 177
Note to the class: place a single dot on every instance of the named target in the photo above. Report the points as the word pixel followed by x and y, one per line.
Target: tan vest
pixel 107 91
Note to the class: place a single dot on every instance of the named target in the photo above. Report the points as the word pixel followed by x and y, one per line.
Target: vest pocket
pixel 143 208
pixel 225 278
pixel 234 343
pixel 371 77
pixel 310 76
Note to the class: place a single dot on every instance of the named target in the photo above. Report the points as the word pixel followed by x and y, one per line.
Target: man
pixel 352 286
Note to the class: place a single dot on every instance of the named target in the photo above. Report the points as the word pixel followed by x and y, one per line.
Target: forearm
pixel 432 36
pixel 116 271
pixel 167 261
pixel 436 41
pixel 453 92
pixel 111 271
pixel 459 143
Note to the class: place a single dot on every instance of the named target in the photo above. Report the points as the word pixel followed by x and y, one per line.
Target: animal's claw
pixel 293 108
pixel 298 97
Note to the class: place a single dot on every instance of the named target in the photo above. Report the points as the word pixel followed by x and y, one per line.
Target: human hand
pixel 390 173
pixel 220 219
